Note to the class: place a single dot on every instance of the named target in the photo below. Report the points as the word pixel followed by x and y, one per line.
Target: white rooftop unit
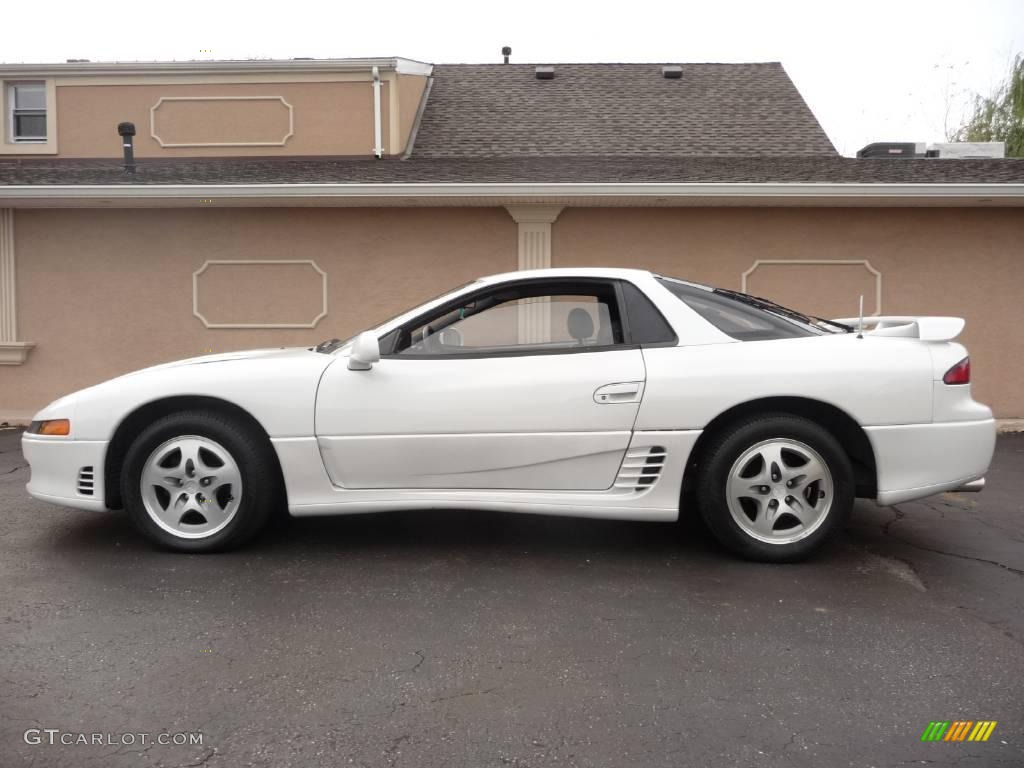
pixel 967 150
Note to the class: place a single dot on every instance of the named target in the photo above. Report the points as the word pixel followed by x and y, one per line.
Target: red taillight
pixel 959 373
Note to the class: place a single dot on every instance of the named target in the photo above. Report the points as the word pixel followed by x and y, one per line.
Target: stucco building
pixel 284 202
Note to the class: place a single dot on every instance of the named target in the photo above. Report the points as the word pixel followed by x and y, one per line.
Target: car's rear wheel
pixel 775 488
pixel 198 481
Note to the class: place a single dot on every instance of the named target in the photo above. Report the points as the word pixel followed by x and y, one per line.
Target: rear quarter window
pixel 646 324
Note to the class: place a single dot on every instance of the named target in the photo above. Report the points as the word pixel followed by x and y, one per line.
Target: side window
pixel 646 324
pixel 526 318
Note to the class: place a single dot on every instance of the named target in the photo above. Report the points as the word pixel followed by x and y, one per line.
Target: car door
pixel 529 384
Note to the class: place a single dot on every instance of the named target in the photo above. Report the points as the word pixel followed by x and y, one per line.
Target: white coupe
pixel 610 393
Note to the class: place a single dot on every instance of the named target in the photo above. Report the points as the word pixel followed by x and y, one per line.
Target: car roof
pixel 608 272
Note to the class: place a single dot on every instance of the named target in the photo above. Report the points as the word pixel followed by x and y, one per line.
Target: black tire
pixel 729 445
pixel 261 491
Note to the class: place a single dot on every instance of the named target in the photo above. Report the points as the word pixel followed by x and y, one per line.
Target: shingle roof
pixel 515 170
pixel 617 110
pixel 495 123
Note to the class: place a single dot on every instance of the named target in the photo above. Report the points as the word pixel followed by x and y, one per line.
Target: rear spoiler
pixel 908 326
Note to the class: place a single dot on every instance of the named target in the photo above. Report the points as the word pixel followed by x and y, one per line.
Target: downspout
pixel 378 149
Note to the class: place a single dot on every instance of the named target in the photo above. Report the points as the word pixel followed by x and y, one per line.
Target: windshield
pixel 330 345
pixel 748 318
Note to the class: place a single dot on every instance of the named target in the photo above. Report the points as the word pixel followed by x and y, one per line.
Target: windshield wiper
pixel 845 328
pixel 327 346
pixel 757 301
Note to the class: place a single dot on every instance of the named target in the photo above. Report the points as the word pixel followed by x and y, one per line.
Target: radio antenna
pixel 860 319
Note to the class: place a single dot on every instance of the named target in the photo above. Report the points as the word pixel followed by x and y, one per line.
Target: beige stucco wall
pixel 410 92
pixel 931 261
pixel 330 118
pixel 106 292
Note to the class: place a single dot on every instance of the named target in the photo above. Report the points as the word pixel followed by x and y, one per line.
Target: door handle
pixel 622 392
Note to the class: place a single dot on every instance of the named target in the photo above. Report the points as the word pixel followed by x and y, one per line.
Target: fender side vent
pixel 86 481
pixel 641 468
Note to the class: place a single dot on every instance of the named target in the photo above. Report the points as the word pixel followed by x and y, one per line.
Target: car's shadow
pixel 423 534
pixel 431 532
pixel 468 531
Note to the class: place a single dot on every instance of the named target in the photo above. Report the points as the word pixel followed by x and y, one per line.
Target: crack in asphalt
pixel 123 750
pixel 200 761
pixel 390 752
pixel 790 743
pixel 12 471
pixel 899 516
pixel 461 695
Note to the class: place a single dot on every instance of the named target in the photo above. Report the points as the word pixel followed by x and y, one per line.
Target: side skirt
pixel 660 455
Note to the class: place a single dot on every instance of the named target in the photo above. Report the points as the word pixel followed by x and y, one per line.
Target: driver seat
pixel 580 325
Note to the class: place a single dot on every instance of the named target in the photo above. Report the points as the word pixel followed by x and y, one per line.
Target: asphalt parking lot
pixel 475 639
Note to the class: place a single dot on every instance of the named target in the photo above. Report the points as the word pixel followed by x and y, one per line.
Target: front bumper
pixel 919 460
pixel 57 465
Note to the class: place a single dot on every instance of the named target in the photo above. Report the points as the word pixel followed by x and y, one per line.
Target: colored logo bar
pixel 958 730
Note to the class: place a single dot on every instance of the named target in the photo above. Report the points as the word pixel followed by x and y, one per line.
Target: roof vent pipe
pixel 378 148
pixel 506 51
pixel 126 131
pixel 545 73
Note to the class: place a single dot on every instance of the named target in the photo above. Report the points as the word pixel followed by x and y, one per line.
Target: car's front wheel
pixel 198 481
pixel 775 488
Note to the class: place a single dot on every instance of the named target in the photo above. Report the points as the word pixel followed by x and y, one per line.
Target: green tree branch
pixel 999 117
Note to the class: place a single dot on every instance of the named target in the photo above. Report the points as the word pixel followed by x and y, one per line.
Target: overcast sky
pixel 901 70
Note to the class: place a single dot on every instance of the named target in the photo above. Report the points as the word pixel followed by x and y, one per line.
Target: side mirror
pixel 365 352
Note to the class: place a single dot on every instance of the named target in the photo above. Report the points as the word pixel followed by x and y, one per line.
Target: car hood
pixel 270 353
pixel 278 386
pixel 273 355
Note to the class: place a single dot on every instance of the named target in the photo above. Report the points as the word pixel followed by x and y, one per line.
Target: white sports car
pixel 609 393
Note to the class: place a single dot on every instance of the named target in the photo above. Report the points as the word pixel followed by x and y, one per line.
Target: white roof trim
pixel 817 191
pixel 241 66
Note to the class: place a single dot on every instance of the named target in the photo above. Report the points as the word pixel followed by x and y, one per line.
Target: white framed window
pixel 26 106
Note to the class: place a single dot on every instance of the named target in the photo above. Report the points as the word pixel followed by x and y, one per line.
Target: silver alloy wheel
pixel 779 491
pixel 191 486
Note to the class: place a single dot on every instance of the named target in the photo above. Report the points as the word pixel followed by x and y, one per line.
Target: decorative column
pixel 12 351
pixel 534 253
